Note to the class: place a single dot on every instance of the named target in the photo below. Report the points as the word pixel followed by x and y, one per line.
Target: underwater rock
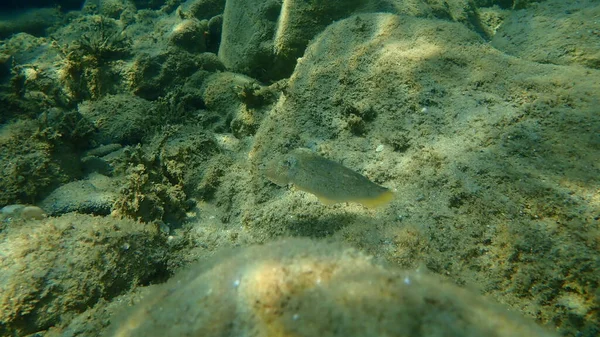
pixel 215 29
pixel 263 39
pixel 563 34
pixel 93 164
pixel 190 34
pixel 123 119
pixel 151 4
pixel 210 62
pixel 32 21
pixel 103 150
pixel 157 75
pixel 101 159
pixel 152 187
pixel 33 213
pixel 202 9
pixel 32 164
pixel 31 63
pixel 237 99
pixel 55 268
pixel 422 78
pixel 219 92
pixel 90 47
pixel 24 212
pixel 246 40
pixel 108 8
pixel 95 195
pixel 300 21
pixel 299 287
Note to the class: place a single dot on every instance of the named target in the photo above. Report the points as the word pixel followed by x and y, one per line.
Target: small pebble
pixel 379 148
pixel 24 212
pixel 33 213
pixel 11 210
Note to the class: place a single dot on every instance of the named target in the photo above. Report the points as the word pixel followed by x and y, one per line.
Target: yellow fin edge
pixel 378 201
pixel 326 201
pixel 382 199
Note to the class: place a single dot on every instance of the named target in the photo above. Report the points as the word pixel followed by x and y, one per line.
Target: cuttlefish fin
pixel 326 201
pixel 379 200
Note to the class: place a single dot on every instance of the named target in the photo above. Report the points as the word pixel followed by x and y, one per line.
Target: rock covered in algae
pixel 300 287
pixel 54 268
pixel 330 181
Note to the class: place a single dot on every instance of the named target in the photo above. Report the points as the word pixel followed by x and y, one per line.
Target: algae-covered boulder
pixel 55 268
pixel 468 135
pixel 124 119
pixel 202 9
pixel 237 99
pixel 94 195
pixel 109 8
pixel 34 161
pixel 30 81
pixel 156 75
pixel 219 92
pixel 563 34
pixel 32 21
pixel 246 41
pixel 190 34
pixel 263 39
pixel 306 288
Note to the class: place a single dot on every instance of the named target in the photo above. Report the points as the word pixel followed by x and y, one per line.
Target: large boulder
pixel 306 288
pixel 263 38
pixel 57 267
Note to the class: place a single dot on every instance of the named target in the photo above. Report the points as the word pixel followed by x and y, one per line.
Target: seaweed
pixel 86 63
pixel 104 43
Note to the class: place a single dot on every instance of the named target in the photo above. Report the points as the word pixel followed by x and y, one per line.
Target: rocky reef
pixel 135 137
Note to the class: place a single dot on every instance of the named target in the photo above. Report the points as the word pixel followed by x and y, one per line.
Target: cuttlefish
pixel 330 181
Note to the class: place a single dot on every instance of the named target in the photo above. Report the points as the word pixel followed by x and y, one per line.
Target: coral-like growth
pixel 86 68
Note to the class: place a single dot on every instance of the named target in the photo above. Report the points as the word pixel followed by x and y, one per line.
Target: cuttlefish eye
pixel 289 162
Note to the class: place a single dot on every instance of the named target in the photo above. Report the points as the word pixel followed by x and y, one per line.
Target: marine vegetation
pixel 85 63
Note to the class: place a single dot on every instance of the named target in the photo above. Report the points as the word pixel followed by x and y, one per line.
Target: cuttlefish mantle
pixel 330 181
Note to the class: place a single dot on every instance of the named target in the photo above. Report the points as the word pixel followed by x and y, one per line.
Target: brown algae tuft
pixel 330 181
